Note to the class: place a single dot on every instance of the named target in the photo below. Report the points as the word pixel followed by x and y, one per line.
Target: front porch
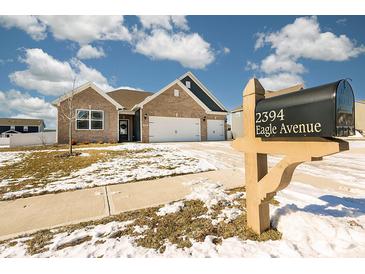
pixel 129 126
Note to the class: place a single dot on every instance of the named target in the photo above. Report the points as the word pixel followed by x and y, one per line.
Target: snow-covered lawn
pixel 210 222
pixel 109 165
pixel 320 214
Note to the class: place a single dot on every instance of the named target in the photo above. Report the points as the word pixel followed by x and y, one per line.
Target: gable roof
pixel 202 92
pixel 20 122
pixel 84 87
pixel 202 102
pixel 129 98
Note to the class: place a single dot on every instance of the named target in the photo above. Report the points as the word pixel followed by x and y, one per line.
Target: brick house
pixel 184 110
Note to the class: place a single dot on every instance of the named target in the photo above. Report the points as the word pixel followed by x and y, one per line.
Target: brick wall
pixel 168 105
pixel 90 99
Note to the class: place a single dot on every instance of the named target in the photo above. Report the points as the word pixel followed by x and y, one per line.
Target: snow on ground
pixel 210 193
pixel 8 158
pixel 313 223
pixel 160 161
pixel 170 208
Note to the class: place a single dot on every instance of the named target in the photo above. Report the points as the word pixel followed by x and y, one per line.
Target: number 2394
pixel 272 115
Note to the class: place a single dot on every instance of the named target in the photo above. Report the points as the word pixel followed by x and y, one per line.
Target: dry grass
pixel 75 242
pixel 39 241
pixel 40 168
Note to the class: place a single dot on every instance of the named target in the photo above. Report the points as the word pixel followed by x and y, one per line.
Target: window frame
pixel 89 119
pixel 188 84
pixel 25 128
pixel 176 93
pixel 12 127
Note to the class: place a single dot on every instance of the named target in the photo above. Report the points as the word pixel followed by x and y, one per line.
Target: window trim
pixel 188 84
pixel 176 93
pixel 89 119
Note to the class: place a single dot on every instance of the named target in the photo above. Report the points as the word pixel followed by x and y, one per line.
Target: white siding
pixel 33 139
pixel 237 124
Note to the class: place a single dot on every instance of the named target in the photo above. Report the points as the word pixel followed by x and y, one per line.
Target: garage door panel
pixel 171 129
pixel 215 130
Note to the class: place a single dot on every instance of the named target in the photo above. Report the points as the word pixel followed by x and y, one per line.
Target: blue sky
pixel 40 56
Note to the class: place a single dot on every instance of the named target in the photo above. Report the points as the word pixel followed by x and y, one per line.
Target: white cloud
pixel 88 74
pixel 302 39
pixel 90 52
pixel 44 73
pixel 251 66
pixel 5 61
pixel 82 28
pixel 50 76
pixel 274 63
pixel 190 50
pixel 180 21
pixel 16 104
pixel 130 88
pixel 86 28
pixel 260 40
pixel 28 23
pixel 342 21
pixel 280 80
pixel 160 38
pixel 226 50
pixel 164 21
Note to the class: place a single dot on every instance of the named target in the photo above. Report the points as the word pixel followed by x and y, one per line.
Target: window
pixel 12 127
pixel 82 119
pixel 97 118
pixel 25 128
pixel 187 84
pixel 176 93
pixel 89 119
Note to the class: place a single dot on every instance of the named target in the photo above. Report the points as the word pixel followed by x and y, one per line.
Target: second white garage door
pixel 171 129
pixel 216 130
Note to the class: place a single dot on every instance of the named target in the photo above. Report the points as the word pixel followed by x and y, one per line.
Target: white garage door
pixel 216 130
pixel 171 129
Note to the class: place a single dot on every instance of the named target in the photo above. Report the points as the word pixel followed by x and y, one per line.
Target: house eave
pixel 126 112
pixel 81 88
pixel 217 112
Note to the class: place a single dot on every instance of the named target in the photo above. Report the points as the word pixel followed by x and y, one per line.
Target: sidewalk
pixel 27 215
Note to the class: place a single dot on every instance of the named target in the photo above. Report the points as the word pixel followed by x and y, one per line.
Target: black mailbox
pixel 323 111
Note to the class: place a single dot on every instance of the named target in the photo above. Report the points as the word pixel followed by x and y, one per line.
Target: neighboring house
pixel 360 116
pixel 10 126
pixel 184 110
pixel 237 118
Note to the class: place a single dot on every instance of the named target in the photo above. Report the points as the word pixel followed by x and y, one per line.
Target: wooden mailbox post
pixel 262 184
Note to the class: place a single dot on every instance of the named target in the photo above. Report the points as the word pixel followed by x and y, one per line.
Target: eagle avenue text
pixel 284 129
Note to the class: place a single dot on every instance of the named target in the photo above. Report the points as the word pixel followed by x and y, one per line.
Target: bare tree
pixel 68 113
pixel 42 138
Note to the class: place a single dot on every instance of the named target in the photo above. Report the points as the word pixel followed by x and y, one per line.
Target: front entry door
pixel 123 130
